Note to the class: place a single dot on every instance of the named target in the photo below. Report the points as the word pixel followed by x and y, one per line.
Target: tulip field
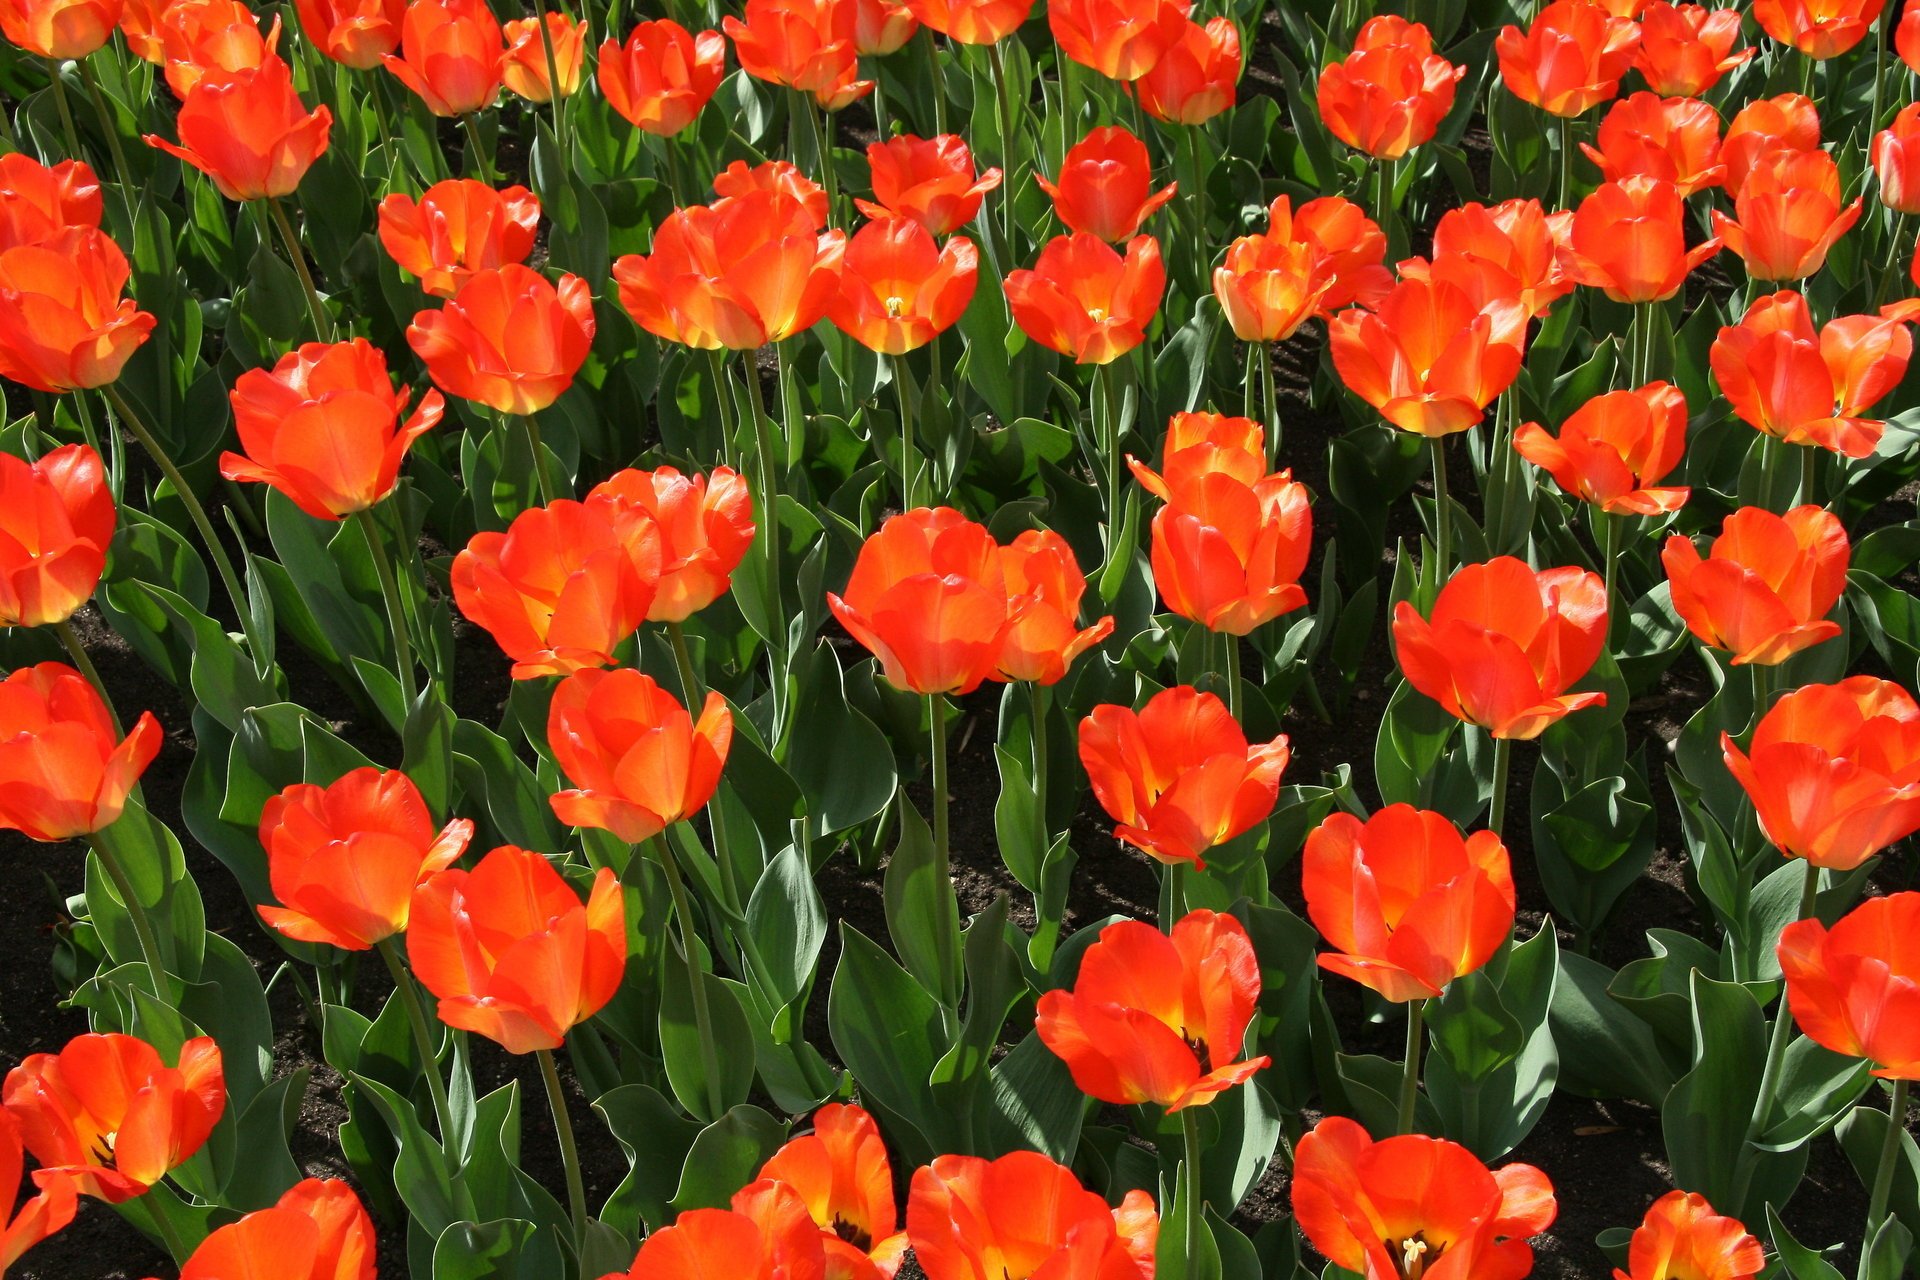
pixel 959 640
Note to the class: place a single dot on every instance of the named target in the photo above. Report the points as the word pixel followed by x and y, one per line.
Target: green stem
pixel 66 110
pixel 107 126
pixel 937 79
pixel 403 985
pixel 1110 442
pixel 1271 401
pixel 1230 672
pixel 1410 1067
pixel 1883 1171
pixel 1810 475
pixel 949 946
pixel 1610 553
pixel 84 665
pixel 569 1149
pixel 1776 1056
pixel 1190 1132
pixel 556 100
pixel 909 453
pixel 694 693
pixel 137 912
pixel 477 156
pixel 1442 510
pixel 1566 163
pixel 322 326
pixel 769 515
pixel 697 987
pixel 170 1237
pixel 1003 104
pixel 723 393
pixel 541 479
pixel 396 611
pixel 1497 806
pixel 1879 38
pixel 822 150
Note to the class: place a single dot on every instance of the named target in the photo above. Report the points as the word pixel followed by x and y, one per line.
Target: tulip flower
pixel 663 76
pixel 1906 37
pixel 972 21
pixel 1520 238
pixel 249 132
pixel 1414 1205
pixel 1629 239
pixel 508 338
pixel 1834 770
pixel 1158 1019
pixel 1765 125
pixel 202 38
pixel 1431 357
pixel 1269 285
pixel 523 69
pixel 1764 591
pixel 1105 185
pixel 639 761
pixel 38 203
pixel 841 1173
pixel 355 33
pixel 1178 775
pixel 1676 140
pixel 1229 555
pixel 1570 59
pixel 704 523
pixel 450 55
pixel 1083 299
pixel 1821 29
pixel 344 859
pixel 140 24
pixel 1682 1238
pixel 323 427
pixel 1855 988
pixel 1686 48
pixel 930 180
pixel 56 521
pixel 1023 1217
pixel 1615 450
pixel 898 289
pixel 928 597
pixel 1787 215
pixel 1040 567
pixel 1407 903
pixel 1391 93
pixel 1351 243
pixel 749 270
pixel 63 324
pixel 1505 643
pixel 106 1114
pixel 739 179
pixel 62 774
pixel 58 29
pixel 1202 444
pixel 457 228
pixel 50 1210
pixel 881 27
pixel 806 45
pixel 1807 388
pixel 766 1234
pixel 563 587
pixel 1121 39
pixel 1896 161
pixel 1197 77
pixel 317 1230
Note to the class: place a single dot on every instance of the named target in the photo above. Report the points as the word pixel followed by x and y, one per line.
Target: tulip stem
pixel 1879 38
pixel 697 987
pixel 723 394
pixel 543 483
pixel 477 157
pixel 569 1150
pixel 1410 1069
pixel 1190 1133
pixel 1497 805
pixel 1003 103
pixel 769 513
pixel 909 452
pixel 396 612
pixel 422 1040
pixel 556 99
pixel 823 154
pixel 84 665
pixel 66 110
pixel 1272 401
pixel 322 326
pixel 137 912
pixel 949 946
pixel 1883 1172
pixel 1610 553
pixel 935 79
pixel 1442 511
pixel 1110 439
pixel 107 126
pixel 695 693
pixel 1810 475
pixel 1776 1057
pixel 1566 163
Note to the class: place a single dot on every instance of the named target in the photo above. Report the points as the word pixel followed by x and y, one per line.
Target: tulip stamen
pixel 896 307
pixel 1198 1044
pixel 857 1236
pixel 1413 1255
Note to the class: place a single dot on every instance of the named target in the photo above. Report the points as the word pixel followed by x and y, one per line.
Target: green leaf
pixel 680 1045
pixel 788 922
pixel 725 1156
pixel 888 1031
pixel 1604 1050
pixel 656 1137
pixel 917 896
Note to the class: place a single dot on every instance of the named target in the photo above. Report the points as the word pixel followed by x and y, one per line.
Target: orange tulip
pixel 1682 1238
pixel 37 203
pixel 898 289
pixel 765 1235
pixel 59 29
pixel 61 772
pixel 749 270
pixel 1432 356
pixel 107 1114
pixel 56 522
pixel 563 587
pixel 1305 264
pixel 1685 48
pixel 1820 29
pixel 1121 39
pixel 1505 643
pixel 972 21
pixel 803 44
pixel 355 33
pixel 1391 92
pixel 1629 239
pixel 663 76
pixel 930 180
pixel 249 132
pixel 523 69
pixel 881 27
pixel 1765 125
pixel 1615 450
pixel 345 858
pixel 323 427
pixel 1023 1217
pixel 704 523
pixel 47 1212
pixel 1809 388
pixel 1105 185
pixel 1676 140
pixel 511 952
pixel 1047 636
pixel 450 55
pixel 202 38
pixel 1896 161
pixel 317 1230
pixel 739 179
pixel 1198 76
pixel 928 597
pixel 1084 300
pixel 1158 1019
pixel 1787 215
pixel 1406 902
pixel 1906 37
pixel 1834 770
pixel 1202 444
pixel 1178 775
pixel 1570 59
pixel 1520 238
pixel 457 228
pixel 1410 1205
pixel 1855 989
pixel 1764 591
pixel 63 324
pixel 1228 554
pixel 140 24
pixel 509 338
pixel 841 1173
pixel 639 761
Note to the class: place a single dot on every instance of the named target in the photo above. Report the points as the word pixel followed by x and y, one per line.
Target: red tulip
pixel 1352 245
pixel 1040 567
pixel 1202 444
pixel 356 33
pixel 1685 48
pixel 508 339
pixel 38 203
pixel 972 21
pixel 1764 592
pixel 1676 140
pixel 1520 238
pixel 249 132
pixel 1305 264
pixel 1083 299
pixel 1570 59
pixel 841 1173
pixel 765 1235
pixel 881 27
pixel 450 55
pixel 317 1230
pixel 929 180
pixel 1788 122
pixel 740 179
pixel 1391 93
pixel 1787 215
pixel 638 761
pixel 1906 37
pixel 1105 185
pixel 1807 388
pixel 459 227
pixel 1629 239
pixel 1197 77
pixel 202 38
pixel 140 24
pixel 62 774
pixel 1229 555
pixel 1682 1236
pixel 1121 39
pixel 803 44
pixel 523 68
pixel 63 324
pixel 1023 1217
pixel 1896 161
pixel 663 76
pixel 705 526
pixel 1820 29
pixel 51 1209
pixel 59 29
pixel 1615 449
pixel 1855 989
pixel 56 522
pixel 1178 775
pixel 898 289
pixel 1505 643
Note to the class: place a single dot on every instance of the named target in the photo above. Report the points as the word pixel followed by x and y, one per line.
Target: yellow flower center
pixel 896 307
